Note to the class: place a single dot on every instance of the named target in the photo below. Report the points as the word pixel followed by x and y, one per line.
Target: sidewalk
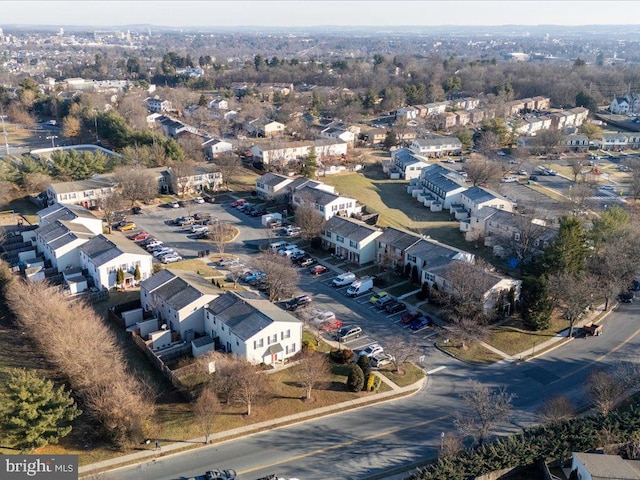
pixel 146 456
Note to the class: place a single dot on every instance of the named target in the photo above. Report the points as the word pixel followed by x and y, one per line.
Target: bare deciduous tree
pixel 603 388
pixel 556 409
pixel 401 352
pixel 482 170
pixel 309 220
pixel 579 195
pixel 229 165
pixel 572 294
pixel 452 444
pixel 221 233
pixel 181 176
pixel 35 182
pixel 576 164
pixel 109 205
pixel 249 384
pixel 486 407
pixel 205 408
pixel 526 239
pixel 281 277
pixel 136 184
pixel 312 369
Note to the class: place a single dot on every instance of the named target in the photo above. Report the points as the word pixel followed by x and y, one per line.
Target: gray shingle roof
pixel 154 281
pixel 398 238
pixel 59 211
pixel 101 249
pixel 348 228
pixel 608 466
pixel 302 182
pixel 246 314
pixel 479 195
pixel 272 179
pixel 437 140
pixel 82 185
pixel 318 196
pixel 176 291
pixel 435 176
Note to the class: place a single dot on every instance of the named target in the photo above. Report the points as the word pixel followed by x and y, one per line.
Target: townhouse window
pixel 292 349
pixel 516 236
pixel 327 234
pixel 411 258
pixel 339 239
pixel 285 334
pixel 536 243
pixel 274 338
pixel 259 343
pixel 353 244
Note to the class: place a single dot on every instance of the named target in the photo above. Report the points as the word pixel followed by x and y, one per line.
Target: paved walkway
pixel 144 456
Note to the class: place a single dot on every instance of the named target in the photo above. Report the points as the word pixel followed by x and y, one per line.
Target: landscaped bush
pixel 342 356
pixel 423 294
pixel 373 383
pixel 355 380
pixel 365 365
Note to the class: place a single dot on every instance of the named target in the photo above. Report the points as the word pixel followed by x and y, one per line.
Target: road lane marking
pixel 344 444
pixel 435 370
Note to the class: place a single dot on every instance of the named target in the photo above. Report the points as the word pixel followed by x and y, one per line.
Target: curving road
pixel 368 442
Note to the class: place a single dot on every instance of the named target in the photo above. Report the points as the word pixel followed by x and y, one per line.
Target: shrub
pixel 407 270
pixel 373 383
pixel 365 365
pixel 423 294
pixel 341 356
pixel 415 277
pixel 355 380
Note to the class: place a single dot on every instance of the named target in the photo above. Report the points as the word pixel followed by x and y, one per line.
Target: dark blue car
pixel 420 322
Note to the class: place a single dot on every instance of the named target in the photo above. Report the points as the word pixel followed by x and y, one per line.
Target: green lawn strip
pixel 401 289
pixel 410 374
pixel 474 353
pixel 366 271
pixel 197 266
pixel 513 338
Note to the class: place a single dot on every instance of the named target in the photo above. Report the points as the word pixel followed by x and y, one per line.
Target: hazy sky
pixel 312 13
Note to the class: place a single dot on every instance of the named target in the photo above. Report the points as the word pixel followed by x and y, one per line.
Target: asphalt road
pixel 370 441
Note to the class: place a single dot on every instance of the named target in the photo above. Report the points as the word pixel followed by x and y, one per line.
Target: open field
pixel 513 337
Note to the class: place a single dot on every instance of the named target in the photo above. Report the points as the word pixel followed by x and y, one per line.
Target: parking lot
pixel 377 325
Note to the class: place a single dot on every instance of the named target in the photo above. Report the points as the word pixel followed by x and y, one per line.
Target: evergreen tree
pixel 136 274
pixel 309 165
pixel 568 252
pixel 390 140
pixel 364 362
pixel 34 412
pixel 536 302
pixel 119 277
pixel 355 380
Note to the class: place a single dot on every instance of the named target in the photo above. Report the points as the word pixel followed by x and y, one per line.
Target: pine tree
pixel 34 412
pixel 119 277
pixel 568 252
pixel 355 380
pixel 136 274
pixel 309 166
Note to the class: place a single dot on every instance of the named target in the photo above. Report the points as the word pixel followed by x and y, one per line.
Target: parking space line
pixel 430 335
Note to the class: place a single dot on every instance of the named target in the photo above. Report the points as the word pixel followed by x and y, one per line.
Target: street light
pixel 52 138
pixel 6 135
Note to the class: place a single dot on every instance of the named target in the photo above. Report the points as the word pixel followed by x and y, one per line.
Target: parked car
pixel 371 350
pixel 321 316
pixel 377 296
pixel 381 359
pixel 153 244
pixel 635 286
pixel 395 307
pixel 296 302
pixel 136 210
pixel 522 172
pixel 171 258
pixel 607 187
pixel 330 325
pixel 127 226
pixel 228 262
pixel 139 237
pixel 382 303
pixel 409 317
pixel 626 297
pixel 255 275
pixel 173 205
pixel 293 253
pixel 533 178
pixel 288 249
pixel 238 203
pixel 306 261
pixel 163 251
pixel 348 333
pixel 258 211
pixel 199 229
pixel 318 270
pixel 298 255
pixel 420 322
pixel 221 474
pixel 198 200
pixel 344 279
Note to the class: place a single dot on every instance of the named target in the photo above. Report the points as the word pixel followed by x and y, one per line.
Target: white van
pixel 344 279
pixel 510 179
pixel 275 246
pixel 360 286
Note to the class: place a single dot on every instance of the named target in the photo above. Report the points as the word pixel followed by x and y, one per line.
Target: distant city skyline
pixel 308 13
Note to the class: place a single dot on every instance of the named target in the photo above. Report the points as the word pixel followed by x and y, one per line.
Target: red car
pixel 238 203
pixel 139 237
pixel 330 325
pixel 409 317
pixel 318 270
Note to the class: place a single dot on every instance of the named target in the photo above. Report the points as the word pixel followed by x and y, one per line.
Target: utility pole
pixel 4 132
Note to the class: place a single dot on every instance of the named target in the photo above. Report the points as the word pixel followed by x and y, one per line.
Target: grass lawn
pixel 401 289
pixel 365 271
pixel 513 337
pixel 475 353
pixel 198 266
pixel 243 182
pixel 411 374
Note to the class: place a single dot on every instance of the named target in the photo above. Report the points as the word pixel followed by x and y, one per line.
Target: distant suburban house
pixel 611 141
pixel 262 127
pixel 274 152
pixel 375 136
pixel 475 198
pixel 59 241
pixel 158 105
pixel 101 257
pixel 271 185
pixel 213 147
pixel 569 118
pixel 350 239
pixel 218 104
pixel 598 466
pixel 178 299
pixel 576 142
pixel 202 179
pixel 338 133
pixel 436 108
pixel 436 146
pixel 252 328
pixel 326 203
pixel 87 193
pixel 629 103
pixel 406 164
pixel 531 125
pixel 329 147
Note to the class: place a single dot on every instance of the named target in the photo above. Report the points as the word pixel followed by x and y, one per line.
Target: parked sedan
pixel 377 296
pixel 330 325
pixel 171 258
pixel 318 270
pixel 127 226
pixel 420 323
pixel 229 262
pixel 371 350
pixel 173 205
pixel 409 317
pixel 198 200
pixel 163 251
pixel 299 301
pixel 139 237
pixel 382 303
pixel 238 203
pixel 306 262
pixel 396 307
pixel 381 359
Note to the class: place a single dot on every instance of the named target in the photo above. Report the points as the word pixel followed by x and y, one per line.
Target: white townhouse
pixel 393 243
pixel 339 134
pixel 327 204
pixel 158 105
pixel 440 185
pixel 475 198
pixel 59 243
pixel 70 213
pixel 611 141
pixel 350 239
pixel 407 164
pixel 102 257
pixel 252 328
pixel 86 193
pixel 202 179
pixel 436 146
pixel 272 185
pixel 433 258
pixel 178 298
pixel 329 147
pixel 279 152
